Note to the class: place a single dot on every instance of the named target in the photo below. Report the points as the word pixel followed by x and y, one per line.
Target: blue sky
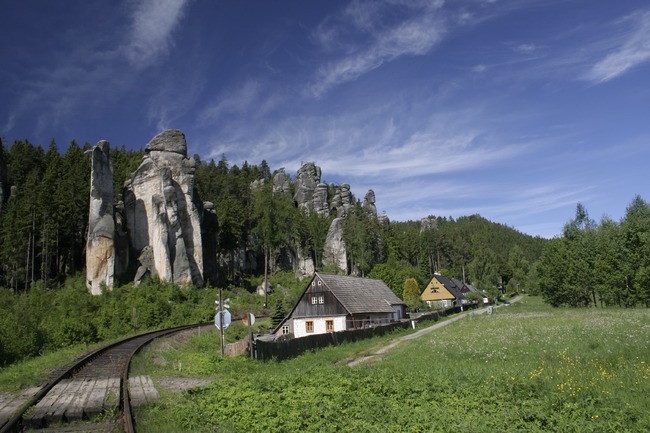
pixel 516 110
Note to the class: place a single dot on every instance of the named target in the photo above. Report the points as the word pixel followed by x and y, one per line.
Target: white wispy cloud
pixel 175 97
pixel 152 24
pixel 9 124
pixel 632 52
pixel 252 97
pixel 416 33
pixel 99 67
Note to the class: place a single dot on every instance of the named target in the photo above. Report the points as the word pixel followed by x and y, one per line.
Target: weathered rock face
pixel 305 267
pixel 306 182
pixel 281 182
pixel 161 211
pixel 100 249
pixel 428 223
pixel 319 200
pixel 121 240
pixel 335 252
pixel 369 203
pixel 342 200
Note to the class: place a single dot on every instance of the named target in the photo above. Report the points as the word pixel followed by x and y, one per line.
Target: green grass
pixel 36 370
pixel 526 368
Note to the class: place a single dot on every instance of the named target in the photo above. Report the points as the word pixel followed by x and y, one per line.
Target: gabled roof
pixel 361 295
pixel 449 285
pixel 461 286
pixel 357 295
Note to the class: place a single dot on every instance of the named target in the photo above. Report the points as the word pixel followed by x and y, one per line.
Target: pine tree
pixel 278 313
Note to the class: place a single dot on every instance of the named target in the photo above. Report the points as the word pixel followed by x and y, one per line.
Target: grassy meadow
pixel 526 368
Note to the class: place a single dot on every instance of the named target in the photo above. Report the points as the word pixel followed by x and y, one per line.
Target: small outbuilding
pixel 332 303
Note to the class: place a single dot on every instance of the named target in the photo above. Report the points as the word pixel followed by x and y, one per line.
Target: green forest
pixel 43 230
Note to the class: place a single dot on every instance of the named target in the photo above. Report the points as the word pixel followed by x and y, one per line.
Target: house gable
pixel 330 297
pixel 318 301
pixel 441 289
pixel 436 291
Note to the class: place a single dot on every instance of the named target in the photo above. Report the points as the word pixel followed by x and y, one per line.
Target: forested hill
pixel 43 224
pixel 485 253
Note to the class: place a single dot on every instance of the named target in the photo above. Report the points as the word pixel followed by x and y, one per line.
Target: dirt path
pixel 420 333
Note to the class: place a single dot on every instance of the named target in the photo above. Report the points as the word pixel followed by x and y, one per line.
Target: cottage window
pixel 321 299
pixel 319 282
pixel 285 329
pixel 314 300
pixel 309 326
pixel 435 290
pixel 329 325
pixel 313 283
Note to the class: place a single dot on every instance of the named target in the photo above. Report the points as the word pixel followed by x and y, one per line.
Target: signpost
pixel 222 319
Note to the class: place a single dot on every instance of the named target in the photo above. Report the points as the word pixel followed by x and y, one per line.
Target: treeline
pixel 44 217
pixel 43 225
pixel 493 257
pixel 606 263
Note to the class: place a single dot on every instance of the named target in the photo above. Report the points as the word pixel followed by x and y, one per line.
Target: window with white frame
pixel 314 300
pixel 321 299
pixel 285 329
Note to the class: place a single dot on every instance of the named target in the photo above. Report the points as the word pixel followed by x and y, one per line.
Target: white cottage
pixel 332 303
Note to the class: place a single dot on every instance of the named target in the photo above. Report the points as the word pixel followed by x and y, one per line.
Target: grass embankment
pixel 526 368
pixel 20 375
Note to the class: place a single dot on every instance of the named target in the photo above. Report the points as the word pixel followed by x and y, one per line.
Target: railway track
pixel 95 383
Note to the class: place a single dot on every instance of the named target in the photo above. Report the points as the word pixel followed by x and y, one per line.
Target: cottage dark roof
pixel 361 295
pixel 450 285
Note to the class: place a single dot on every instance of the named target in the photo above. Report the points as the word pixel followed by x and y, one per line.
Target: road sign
pixel 227 318
pixel 226 304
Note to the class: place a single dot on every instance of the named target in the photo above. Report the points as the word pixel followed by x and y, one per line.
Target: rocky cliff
pixel 312 195
pixel 157 222
pixel 158 226
pixel 100 247
pixel 161 211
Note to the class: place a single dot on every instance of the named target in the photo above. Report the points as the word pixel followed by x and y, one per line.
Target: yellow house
pixel 441 291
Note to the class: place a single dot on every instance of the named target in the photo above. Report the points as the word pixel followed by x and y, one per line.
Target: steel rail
pixel 14 424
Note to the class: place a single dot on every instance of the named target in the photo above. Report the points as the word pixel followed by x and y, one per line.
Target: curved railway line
pixel 96 382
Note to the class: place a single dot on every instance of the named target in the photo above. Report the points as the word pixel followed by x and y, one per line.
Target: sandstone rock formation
pixel 335 252
pixel 319 199
pixel 341 201
pixel 307 180
pixel 312 195
pixel 100 249
pixel 281 182
pixel 369 203
pixel 428 223
pixel 162 213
